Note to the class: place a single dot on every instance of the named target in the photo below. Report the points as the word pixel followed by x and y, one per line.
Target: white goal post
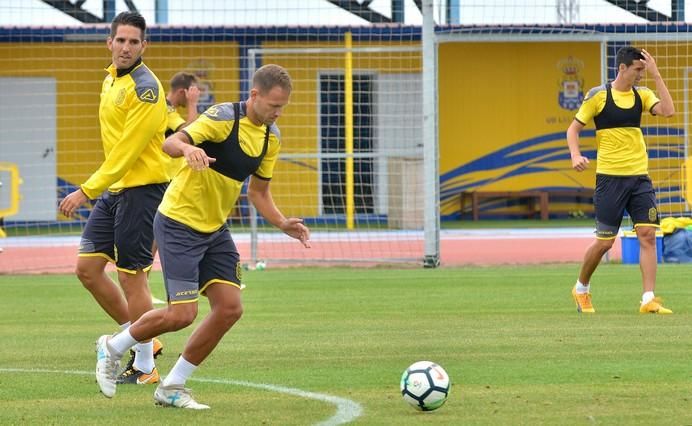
pixel 402 187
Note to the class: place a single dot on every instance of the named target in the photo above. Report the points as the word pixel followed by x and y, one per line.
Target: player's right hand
pixel 580 163
pixel 196 158
pixel 192 95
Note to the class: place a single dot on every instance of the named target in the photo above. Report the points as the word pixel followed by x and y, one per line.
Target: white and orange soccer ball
pixel 425 385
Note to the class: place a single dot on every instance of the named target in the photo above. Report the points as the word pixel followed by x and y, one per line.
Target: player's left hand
pixel 70 203
pixel 294 227
pixel 650 63
pixel 192 95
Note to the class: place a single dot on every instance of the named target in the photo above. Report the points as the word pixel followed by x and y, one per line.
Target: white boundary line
pixel 346 410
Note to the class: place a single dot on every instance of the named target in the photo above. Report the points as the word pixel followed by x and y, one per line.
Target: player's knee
pixel 134 285
pixel 180 316
pixel 605 245
pixel 231 313
pixel 87 276
pixel 646 235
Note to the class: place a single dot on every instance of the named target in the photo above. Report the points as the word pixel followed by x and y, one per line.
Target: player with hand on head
pixel 622 178
pixel 184 92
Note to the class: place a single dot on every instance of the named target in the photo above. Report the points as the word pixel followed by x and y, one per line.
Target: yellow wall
pixel 493 96
pixel 78 70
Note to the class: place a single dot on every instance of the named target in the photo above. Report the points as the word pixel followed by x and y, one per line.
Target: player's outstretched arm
pixel 259 194
pixel 178 145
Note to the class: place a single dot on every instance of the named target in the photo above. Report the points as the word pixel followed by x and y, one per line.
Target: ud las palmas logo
pixel 571 83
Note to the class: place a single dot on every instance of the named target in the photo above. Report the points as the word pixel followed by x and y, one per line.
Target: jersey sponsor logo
pixel 148 96
pixel 120 97
pixel 186 293
pixel 571 83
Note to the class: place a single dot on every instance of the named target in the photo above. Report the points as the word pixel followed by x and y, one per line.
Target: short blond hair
pixel 270 76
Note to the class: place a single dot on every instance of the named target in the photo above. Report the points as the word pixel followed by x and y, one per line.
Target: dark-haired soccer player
pixel 222 148
pixel 184 91
pixel 134 176
pixel 622 180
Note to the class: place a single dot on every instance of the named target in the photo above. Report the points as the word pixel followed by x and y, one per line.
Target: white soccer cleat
pixel 106 367
pixel 176 396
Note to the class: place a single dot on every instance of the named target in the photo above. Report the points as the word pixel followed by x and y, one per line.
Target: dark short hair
pixel 129 18
pixel 183 80
pixel 270 76
pixel 627 55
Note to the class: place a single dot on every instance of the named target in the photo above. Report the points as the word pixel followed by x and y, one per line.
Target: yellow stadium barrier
pixel 687 180
pixel 13 185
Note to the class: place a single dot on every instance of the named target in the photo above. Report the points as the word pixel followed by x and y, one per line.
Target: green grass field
pixel 509 337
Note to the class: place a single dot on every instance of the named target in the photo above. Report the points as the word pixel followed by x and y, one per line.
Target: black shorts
pixel 120 228
pixel 193 260
pixel 615 194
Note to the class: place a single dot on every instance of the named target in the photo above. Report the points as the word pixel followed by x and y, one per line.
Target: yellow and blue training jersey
pixel 132 114
pixel 203 199
pixel 619 138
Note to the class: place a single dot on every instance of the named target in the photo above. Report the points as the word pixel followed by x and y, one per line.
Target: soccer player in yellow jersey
pixel 184 91
pixel 222 148
pixel 622 180
pixel 129 185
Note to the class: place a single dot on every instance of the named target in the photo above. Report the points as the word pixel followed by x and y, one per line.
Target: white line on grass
pixel 346 410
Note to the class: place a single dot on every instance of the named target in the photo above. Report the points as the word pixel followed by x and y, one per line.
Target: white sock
pixel 120 343
pixel 180 372
pixel 124 326
pixel 647 297
pixel 144 356
pixel 581 288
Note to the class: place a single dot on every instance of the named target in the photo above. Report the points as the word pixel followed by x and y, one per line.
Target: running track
pixel 458 248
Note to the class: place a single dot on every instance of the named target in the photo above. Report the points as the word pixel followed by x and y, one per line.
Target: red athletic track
pixel 467 250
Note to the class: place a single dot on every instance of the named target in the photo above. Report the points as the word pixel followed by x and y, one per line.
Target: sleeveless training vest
pixel 231 160
pixel 612 116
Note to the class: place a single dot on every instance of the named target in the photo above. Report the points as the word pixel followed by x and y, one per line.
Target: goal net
pixel 351 163
pixel 383 118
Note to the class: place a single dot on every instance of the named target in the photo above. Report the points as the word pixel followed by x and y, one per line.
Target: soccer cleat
pixel 106 367
pixel 158 347
pixel 583 302
pixel 654 307
pixel 130 375
pixel 176 396
pixel 133 376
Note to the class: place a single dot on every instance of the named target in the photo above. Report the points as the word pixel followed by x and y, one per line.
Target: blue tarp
pixel 677 247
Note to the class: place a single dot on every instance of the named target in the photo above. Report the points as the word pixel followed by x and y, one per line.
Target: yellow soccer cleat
pixel 583 302
pixel 132 376
pixel 654 307
pixel 158 347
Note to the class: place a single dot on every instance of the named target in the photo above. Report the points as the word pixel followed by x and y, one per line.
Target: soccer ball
pixel 425 385
pixel 260 266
